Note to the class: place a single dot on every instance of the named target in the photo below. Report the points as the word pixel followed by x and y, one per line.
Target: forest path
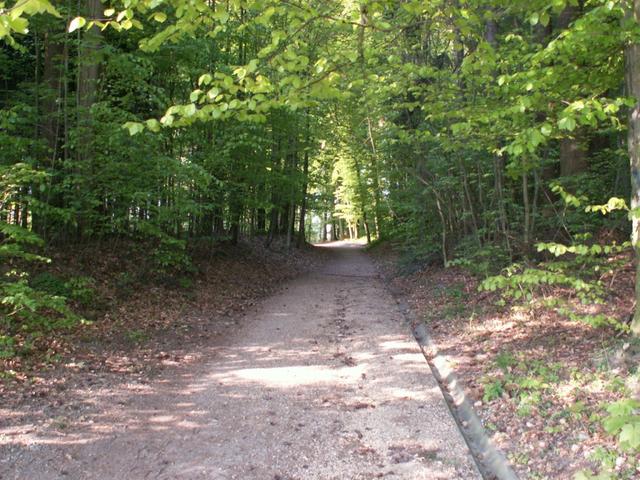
pixel 323 381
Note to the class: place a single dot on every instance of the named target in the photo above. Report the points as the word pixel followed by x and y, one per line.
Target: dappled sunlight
pixel 286 377
pixel 242 375
pixel 162 419
pixel 397 344
pixel 59 441
pixel 421 395
pixel 355 243
pixel 406 358
pixel 243 372
pixel 167 166
pixel 332 376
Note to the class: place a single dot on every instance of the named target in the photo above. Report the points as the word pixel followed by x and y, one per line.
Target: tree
pixel 633 87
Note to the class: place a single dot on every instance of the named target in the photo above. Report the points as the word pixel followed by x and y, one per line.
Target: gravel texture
pixel 321 381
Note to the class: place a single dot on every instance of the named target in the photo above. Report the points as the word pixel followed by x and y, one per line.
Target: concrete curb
pixel 490 461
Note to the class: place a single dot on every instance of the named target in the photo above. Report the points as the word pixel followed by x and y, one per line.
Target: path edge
pixel 491 462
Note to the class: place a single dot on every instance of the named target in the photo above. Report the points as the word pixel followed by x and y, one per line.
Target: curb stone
pixel 491 462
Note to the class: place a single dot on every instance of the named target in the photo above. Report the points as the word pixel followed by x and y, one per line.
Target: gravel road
pixel 322 381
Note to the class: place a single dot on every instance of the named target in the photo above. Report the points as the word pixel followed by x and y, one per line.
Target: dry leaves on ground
pixel 539 382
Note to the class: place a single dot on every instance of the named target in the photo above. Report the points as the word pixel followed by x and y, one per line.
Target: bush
pixel 416 258
pixel 30 311
pixel 577 266
pixel 480 260
pixel 79 289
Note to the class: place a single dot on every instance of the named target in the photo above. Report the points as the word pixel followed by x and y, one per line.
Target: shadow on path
pixel 323 381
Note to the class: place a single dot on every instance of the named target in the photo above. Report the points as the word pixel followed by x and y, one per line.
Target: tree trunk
pixel 376 183
pixel 567 16
pixel 218 221
pixel 632 71
pixel 527 213
pixel 291 224
pixel 52 78
pixel 491 32
pixel 303 205
pixel 236 209
pixel 324 227
pixel 55 53
pixel 273 226
pixel 466 198
pixel 499 192
pixel 261 220
pixel 275 200
pixel 88 70
pixel 573 158
pixel 443 234
pixel 89 63
pixel 291 214
pixel 205 228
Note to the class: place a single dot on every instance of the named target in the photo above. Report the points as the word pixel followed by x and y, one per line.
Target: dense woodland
pixel 498 135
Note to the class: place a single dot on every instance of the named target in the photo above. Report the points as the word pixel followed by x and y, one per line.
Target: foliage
pixel 624 421
pixel 80 289
pixel 25 310
pixel 470 133
pixel 522 379
pixel 30 313
pixel 391 154
pixel 481 260
pixel 579 269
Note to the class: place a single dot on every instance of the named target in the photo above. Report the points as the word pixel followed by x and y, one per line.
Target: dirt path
pixel 323 381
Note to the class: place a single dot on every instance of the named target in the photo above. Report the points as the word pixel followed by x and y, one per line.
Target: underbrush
pixel 110 296
pixel 544 354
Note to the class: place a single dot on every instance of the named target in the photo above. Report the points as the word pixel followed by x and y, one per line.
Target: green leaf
pixel 153 125
pixel 544 19
pixel 221 15
pixel 205 79
pixel 189 110
pixel 252 66
pixel 19 25
pixel 77 23
pixel 630 436
pixel 567 123
pixel 133 127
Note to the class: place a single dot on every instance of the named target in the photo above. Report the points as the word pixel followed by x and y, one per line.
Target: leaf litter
pixel 539 382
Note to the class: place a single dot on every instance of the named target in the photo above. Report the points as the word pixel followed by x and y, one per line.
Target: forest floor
pixel 321 380
pixel 141 321
pixel 539 382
